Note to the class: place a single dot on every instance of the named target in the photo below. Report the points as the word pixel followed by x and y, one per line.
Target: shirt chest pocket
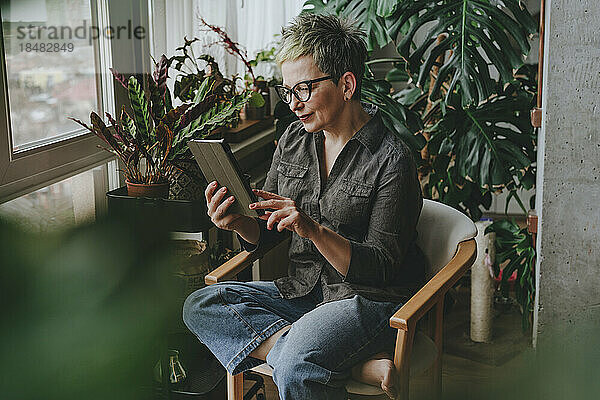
pixel 353 202
pixel 290 179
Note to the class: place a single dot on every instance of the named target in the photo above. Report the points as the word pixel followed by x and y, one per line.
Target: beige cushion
pixel 440 229
pixel 422 357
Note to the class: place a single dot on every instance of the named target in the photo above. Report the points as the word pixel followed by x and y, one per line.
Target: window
pixel 174 19
pixel 50 69
pixel 74 200
pixel 54 63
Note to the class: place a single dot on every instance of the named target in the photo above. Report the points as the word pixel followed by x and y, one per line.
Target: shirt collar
pixel 371 134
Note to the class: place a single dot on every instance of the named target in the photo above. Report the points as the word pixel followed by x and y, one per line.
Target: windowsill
pixel 246 147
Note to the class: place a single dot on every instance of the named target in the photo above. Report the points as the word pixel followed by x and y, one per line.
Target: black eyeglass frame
pixel 293 89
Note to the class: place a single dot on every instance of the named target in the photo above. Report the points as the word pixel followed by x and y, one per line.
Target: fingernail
pixel 252 205
pixel 223 189
pixel 231 198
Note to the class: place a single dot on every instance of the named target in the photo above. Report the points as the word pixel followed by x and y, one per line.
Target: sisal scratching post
pixel 482 285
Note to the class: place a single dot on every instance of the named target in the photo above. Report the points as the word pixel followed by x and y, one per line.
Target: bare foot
pixel 378 371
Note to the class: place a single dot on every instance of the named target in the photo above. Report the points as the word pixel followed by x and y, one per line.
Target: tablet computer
pixel 217 162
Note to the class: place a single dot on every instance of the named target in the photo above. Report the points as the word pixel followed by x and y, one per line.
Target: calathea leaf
pixel 157 107
pixel 119 77
pixel 128 123
pixel 139 105
pixel 161 74
pixel 475 31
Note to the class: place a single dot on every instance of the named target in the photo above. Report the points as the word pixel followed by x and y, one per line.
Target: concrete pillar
pixel 568 197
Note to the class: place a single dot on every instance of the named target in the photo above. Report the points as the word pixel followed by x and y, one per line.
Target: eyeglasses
pixel 301 90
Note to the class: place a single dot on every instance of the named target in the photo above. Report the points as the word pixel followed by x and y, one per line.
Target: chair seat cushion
pixel 423 355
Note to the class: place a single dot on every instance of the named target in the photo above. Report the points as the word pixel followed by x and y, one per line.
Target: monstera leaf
pixel 483 36
pixel 363 12
pixel 399 119
pixel 492 144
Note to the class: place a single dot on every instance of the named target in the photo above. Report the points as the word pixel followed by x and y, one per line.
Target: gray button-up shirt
pixel 372 197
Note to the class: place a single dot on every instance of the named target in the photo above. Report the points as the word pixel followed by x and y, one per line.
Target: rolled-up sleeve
pixel 377 261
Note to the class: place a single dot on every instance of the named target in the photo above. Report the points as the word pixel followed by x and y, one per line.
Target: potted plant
pixel 154 139
pixel 255 109
pixel 198 77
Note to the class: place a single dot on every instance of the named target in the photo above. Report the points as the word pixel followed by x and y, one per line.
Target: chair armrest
pixel 430 294
pixel 229 269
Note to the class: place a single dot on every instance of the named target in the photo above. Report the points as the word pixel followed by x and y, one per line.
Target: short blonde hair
pixel 336 45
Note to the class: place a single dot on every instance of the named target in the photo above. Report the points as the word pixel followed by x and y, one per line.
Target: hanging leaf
pixel 474 31
pixel 122 79
pixel 256 100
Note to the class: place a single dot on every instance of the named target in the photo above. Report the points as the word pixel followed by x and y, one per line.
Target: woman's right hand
pixel 217 207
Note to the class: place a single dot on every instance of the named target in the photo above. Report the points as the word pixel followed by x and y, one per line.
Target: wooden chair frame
pixel 429 298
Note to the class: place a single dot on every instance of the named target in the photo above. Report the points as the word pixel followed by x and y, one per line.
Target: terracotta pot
pixel 153 190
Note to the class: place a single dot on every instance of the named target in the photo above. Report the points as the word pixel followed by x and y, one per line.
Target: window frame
pixel 22 172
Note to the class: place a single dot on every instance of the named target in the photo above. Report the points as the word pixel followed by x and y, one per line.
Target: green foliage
pixel 221 114
pixel 491 145
pixel 395 116
pixel 139 105
pixel 515 246
pixel 475 31
pixel 366 13
pixel 153 142
pixel 85 310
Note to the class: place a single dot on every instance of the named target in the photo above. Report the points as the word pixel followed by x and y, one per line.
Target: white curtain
pixel 251 23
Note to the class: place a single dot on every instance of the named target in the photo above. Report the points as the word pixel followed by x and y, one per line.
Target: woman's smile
pixel 304 117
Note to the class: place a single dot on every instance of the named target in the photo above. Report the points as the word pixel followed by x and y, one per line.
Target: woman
pixel 346 190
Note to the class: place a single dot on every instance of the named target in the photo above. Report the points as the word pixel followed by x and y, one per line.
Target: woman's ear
pixel 348 81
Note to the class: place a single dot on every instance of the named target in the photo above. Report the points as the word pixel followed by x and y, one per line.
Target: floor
pixel 470 370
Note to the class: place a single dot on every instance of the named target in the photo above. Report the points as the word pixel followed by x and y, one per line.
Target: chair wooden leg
pixel 235 386
pixel 438 339
pixel 404 342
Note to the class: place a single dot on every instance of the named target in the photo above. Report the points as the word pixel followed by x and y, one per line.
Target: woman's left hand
pixel 286 215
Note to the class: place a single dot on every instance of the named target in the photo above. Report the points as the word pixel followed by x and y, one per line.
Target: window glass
pixel 55 207
pixel 50 66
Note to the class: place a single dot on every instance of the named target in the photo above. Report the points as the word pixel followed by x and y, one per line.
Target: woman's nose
pixel 296 104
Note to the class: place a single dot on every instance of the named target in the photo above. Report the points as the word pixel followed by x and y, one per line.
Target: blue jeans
pixel 314 358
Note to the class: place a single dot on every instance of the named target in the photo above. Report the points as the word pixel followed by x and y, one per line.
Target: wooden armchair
pixel 446 236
